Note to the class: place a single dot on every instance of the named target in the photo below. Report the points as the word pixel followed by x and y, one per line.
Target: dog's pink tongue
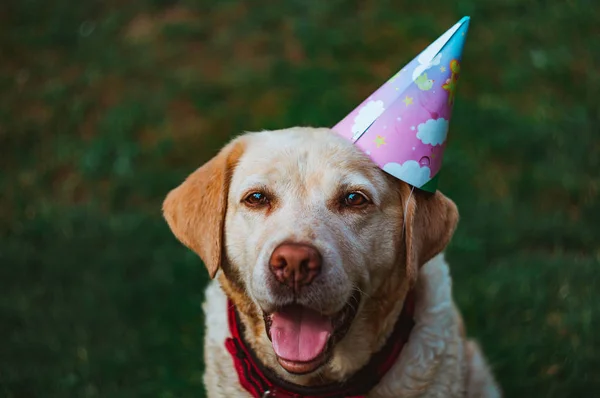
pixel 299 334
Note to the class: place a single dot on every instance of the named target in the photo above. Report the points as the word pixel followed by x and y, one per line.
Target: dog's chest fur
pixel 432 364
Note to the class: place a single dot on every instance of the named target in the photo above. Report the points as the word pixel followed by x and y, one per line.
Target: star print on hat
pixel 403 126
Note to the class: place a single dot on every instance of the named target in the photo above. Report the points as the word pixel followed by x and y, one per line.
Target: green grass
pixel 105 106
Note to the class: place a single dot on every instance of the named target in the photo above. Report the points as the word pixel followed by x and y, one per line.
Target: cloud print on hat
pixel 431 56
pixel 403 125
pixel 425 63
pixel 433 132
pixel 366 116
pixel 409 171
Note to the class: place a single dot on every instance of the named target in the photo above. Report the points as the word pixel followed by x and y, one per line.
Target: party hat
pixel 403 125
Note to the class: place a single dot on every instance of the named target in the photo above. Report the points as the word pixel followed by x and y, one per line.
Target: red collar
pixel 262 382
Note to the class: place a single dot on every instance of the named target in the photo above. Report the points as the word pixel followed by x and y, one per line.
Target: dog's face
pixel 315 239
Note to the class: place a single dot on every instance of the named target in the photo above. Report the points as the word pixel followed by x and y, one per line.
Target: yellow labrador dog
pixel 329 277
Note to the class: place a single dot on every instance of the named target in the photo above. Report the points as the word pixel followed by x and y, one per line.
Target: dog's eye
pixel 355 199
pixel 256 199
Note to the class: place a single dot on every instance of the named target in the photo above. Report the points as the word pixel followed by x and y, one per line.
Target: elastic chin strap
pixel 406 209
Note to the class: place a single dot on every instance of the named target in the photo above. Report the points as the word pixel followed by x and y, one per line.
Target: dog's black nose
pixel 295 265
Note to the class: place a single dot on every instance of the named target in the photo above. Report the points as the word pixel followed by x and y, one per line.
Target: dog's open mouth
pixel 303 338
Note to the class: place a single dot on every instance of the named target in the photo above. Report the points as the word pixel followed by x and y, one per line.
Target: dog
pixel 314 252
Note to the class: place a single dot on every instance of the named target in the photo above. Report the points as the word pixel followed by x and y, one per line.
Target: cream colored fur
pixel 382 251
pixel 434 363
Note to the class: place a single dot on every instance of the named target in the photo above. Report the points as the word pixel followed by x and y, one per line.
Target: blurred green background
pixel 106 105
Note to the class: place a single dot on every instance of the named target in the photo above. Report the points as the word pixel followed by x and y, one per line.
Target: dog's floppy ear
pixel 195 210
pixel 430 221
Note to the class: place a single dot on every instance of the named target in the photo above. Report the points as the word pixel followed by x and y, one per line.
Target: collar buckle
pixel 273 393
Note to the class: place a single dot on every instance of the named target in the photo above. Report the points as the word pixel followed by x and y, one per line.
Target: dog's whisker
pixel 362 292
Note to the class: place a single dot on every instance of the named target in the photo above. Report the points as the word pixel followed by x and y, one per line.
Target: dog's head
pixel 318 246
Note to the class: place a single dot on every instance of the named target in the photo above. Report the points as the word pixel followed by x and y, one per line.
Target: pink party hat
pixel 403 125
